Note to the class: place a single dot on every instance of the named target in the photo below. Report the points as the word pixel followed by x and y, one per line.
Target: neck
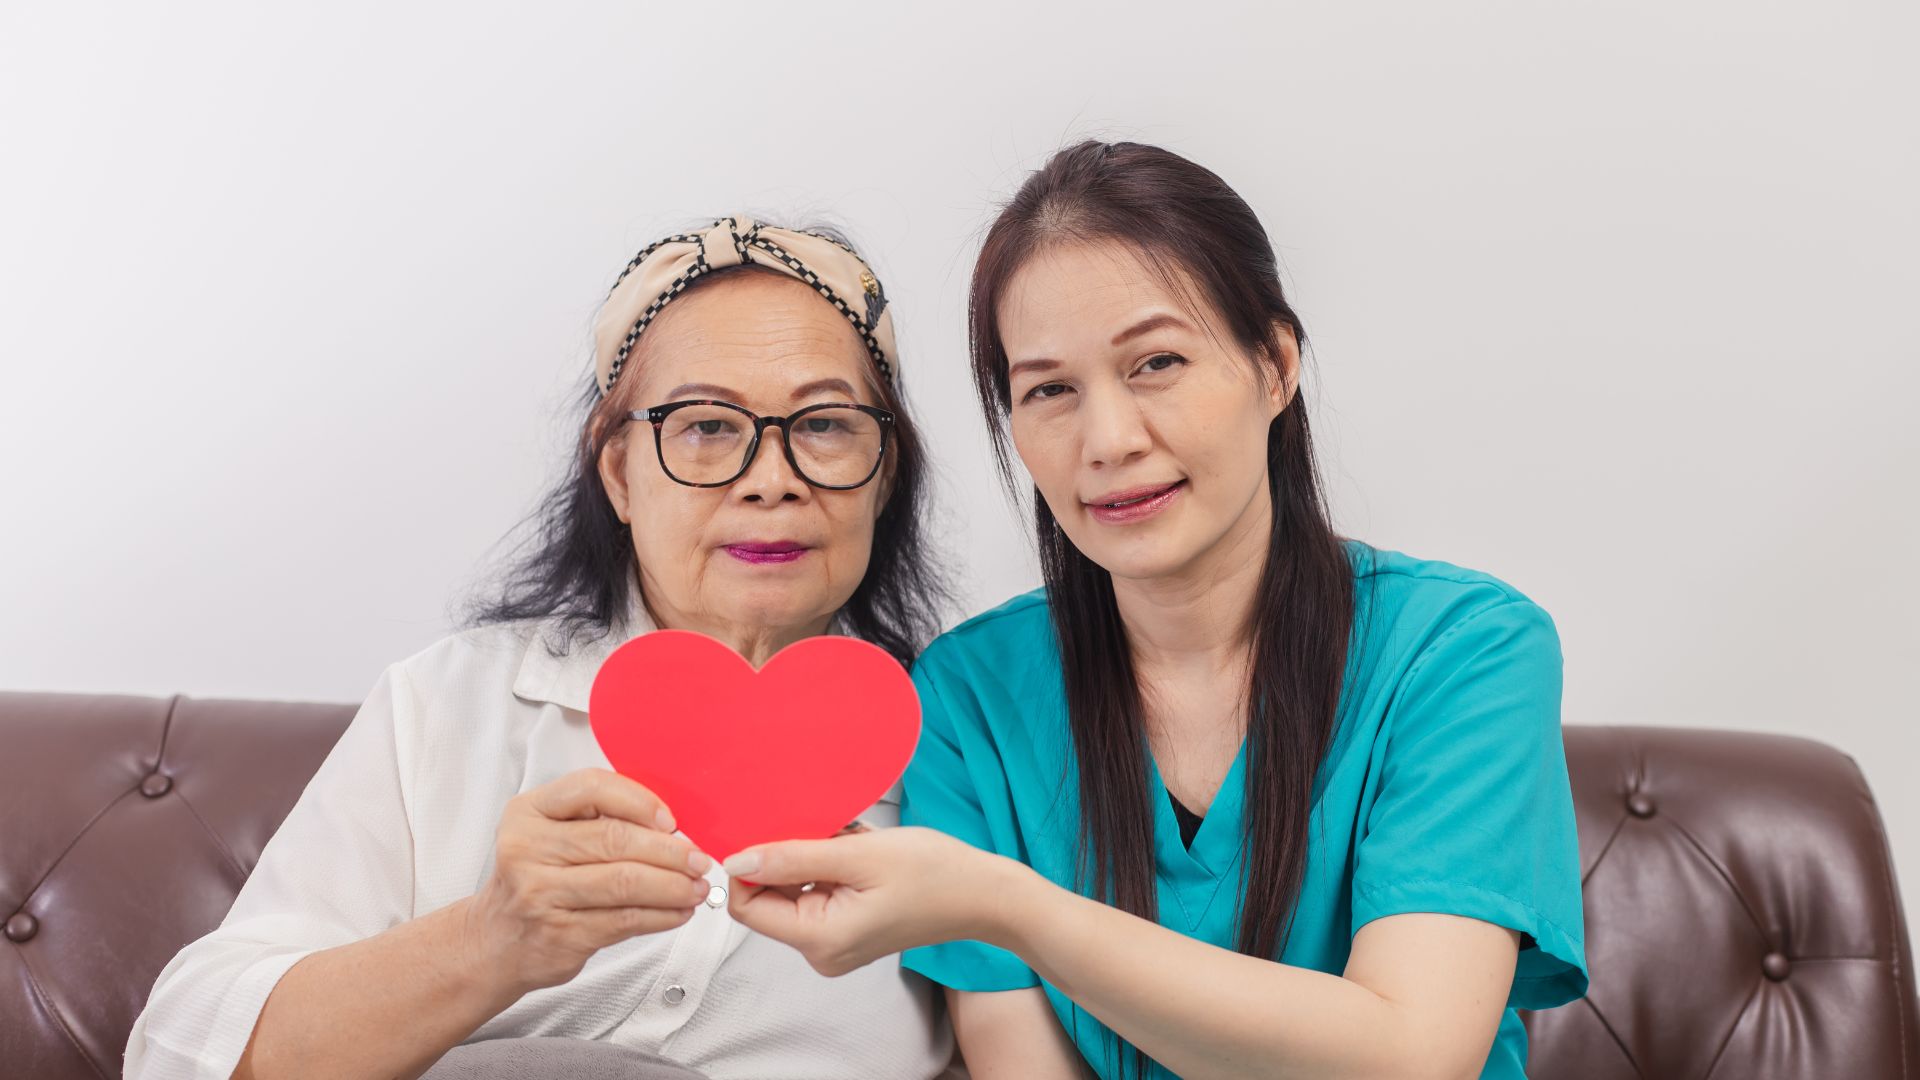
pixel 757 642
pixel 1198 619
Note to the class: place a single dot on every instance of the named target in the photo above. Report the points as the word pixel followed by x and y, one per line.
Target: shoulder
pixel 1015 630
pixel 1418 619
pixel 1000 667
pixel 1428 577
pixel 479 657
pixel 1405 592
pixel 494 667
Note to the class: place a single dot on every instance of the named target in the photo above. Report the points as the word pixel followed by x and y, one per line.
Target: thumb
pixel 796 862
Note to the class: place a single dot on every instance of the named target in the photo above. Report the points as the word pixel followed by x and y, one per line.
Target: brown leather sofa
pixel 1742 915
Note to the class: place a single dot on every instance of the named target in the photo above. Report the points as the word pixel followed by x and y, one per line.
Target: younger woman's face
pixel 1141 419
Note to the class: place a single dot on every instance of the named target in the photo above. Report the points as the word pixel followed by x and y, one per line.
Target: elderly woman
pixel 464 868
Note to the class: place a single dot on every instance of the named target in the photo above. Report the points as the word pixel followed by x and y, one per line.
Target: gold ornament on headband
pixel 665 268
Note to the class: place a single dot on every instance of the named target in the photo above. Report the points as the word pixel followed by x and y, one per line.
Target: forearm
pixel 1420 998
pixel 1204 1012
pixel 388 1006
pixel 1013 1033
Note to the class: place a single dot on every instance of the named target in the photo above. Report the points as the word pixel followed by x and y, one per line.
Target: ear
pixel 888 473
pixel 613 476
pixel 1286 368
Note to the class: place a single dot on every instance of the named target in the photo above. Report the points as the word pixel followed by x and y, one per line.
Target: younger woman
pixel 1229 797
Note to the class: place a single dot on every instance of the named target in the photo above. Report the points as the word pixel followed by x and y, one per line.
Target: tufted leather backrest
pixel 127 826
pixel 1742 916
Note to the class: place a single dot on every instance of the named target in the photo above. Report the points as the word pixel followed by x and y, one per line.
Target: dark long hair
pixel 576 562
pixel 1182 220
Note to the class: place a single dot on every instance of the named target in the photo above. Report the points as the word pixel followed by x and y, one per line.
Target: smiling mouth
pixel 1135 505
pixel 783 551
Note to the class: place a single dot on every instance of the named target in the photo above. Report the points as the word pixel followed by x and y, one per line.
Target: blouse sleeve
pixel 339 870
pixel 953 766
pixel 1473 814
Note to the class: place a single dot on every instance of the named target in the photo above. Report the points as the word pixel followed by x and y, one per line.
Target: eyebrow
pixel 1146 325
pixel 821 386
pixel 1025 366
pixel 713 390
pixel 703 389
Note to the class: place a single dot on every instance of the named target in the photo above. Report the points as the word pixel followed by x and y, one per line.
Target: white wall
pixel 1615 301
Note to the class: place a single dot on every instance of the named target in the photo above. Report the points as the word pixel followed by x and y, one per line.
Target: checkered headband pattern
pixel 665 268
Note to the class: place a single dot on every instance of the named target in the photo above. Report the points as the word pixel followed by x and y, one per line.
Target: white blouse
pixel 399 821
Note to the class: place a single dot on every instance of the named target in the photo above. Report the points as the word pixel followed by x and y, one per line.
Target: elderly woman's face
pixel 769 558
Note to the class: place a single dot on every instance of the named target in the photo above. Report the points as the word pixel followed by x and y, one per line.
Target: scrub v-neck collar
pixel 1195 874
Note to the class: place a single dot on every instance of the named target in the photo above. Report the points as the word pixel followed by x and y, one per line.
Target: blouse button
pixel 717 896
pixel 676 994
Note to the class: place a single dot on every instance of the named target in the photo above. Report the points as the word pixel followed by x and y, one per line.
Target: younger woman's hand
pixel 579 864
pixel 874 893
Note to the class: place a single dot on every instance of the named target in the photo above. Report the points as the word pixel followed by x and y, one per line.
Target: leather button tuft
pixel 1640 804
pixel 22 927
pixel 156 784
pixel 1776 966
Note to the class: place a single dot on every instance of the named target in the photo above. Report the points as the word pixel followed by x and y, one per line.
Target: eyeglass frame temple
pixel 657 415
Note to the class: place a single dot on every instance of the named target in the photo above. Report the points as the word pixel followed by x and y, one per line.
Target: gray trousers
pixel 553 1059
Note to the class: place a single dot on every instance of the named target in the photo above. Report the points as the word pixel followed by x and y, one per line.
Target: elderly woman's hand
pixel 874 893
pixel 579 864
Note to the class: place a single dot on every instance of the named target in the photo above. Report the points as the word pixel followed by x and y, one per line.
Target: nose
pixel 770 479
pixel 1112 429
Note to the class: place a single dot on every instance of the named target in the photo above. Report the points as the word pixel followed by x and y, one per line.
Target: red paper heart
pixel 793 751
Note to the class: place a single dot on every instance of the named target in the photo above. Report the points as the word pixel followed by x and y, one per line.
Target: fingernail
pixel 747 862
pixel 699 861
pixel 663 820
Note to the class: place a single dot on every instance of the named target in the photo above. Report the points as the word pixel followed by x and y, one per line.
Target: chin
pixel 777 605
pixel 1137 570
pixel 1140 560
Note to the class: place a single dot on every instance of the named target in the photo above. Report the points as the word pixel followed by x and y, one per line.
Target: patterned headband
pixel 664 269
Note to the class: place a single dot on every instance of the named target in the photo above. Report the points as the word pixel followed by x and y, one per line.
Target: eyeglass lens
pixel 833 446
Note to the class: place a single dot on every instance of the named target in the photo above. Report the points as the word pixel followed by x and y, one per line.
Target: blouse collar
pixel 567 680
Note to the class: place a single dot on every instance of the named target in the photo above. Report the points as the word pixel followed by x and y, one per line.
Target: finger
pixel 847 859
pixel 610 839
pixel 606 926
pixel 587 793
pixel 624 885
pixel 766 911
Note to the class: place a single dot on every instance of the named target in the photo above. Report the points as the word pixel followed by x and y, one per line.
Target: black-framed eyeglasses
pixel 834 445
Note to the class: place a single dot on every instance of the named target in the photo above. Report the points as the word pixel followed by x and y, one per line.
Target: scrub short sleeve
pixel 957 784
pixel 1473 814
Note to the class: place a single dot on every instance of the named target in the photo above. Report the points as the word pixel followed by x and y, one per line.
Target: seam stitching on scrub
pixel 1491 582
pixel 1476 888
pixel 1420 662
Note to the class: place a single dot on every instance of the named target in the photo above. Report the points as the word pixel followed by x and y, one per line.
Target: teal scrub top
pixel 1445 790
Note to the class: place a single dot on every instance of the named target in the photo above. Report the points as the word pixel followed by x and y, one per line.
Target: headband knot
pixel 665 268
pixel 725 244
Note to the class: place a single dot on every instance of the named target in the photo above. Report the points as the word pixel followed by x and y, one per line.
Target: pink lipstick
pixel 781 551
pixel 1130 506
